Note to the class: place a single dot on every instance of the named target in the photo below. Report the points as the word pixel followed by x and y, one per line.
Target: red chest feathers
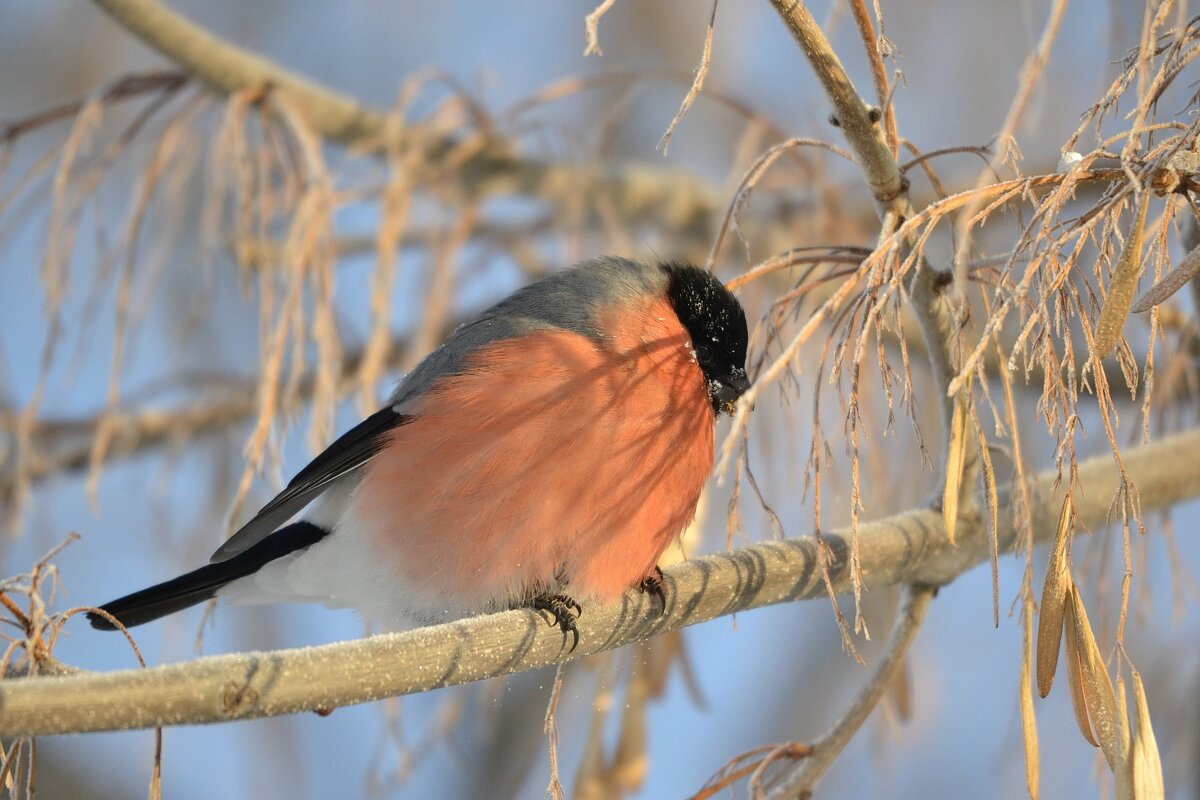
pixel 553 457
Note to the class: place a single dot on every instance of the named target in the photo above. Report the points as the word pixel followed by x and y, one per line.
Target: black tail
pixel 202 584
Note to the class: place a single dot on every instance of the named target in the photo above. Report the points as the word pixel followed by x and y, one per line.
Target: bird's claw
pixel 653 585
pixel 563 611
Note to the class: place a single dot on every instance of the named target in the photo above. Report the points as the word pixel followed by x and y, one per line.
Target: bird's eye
pixel 703 353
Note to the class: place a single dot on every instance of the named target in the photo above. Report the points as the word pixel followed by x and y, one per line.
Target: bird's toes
pixel 653 585
pixel 563 612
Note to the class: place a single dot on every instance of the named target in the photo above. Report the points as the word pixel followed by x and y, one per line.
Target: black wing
pixel 352 449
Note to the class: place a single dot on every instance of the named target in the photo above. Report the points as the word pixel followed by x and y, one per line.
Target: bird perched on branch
pixel 544 456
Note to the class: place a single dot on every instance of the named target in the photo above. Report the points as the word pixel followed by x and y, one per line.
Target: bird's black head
pixel 717 324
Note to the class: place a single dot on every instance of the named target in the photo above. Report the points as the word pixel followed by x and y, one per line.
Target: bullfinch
pixel 544 456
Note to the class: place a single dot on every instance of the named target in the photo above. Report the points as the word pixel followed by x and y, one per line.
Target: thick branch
pixel 641 193
pixel 229 69
pixel 882 173
pixel 908 548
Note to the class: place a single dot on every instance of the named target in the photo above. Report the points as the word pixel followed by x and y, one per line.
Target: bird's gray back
pixel 567 300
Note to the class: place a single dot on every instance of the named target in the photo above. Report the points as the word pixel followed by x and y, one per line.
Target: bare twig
pixel 664 143
pixel 802 778
pixel 128 87
pixel 751 764
pixel 1031 73
pixel 871 43
pixel 550 728
pixel 591 24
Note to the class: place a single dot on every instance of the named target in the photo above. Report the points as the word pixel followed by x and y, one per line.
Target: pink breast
pixel 552 457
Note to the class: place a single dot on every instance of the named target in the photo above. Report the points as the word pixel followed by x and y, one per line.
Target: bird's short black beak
pixel 728 389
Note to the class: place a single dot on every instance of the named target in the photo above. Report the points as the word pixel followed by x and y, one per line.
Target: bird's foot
pixel 563 610
pixel 653 585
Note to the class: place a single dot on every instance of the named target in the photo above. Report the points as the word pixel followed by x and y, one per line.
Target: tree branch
pixel 882 173
pixel 229 69
pixel 642 193
pixel 800 781
pixel 64 446
pixel 890 188
pixel 908 548
pixel 935 319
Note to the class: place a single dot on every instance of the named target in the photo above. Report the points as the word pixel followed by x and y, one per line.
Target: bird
pixel 544 456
